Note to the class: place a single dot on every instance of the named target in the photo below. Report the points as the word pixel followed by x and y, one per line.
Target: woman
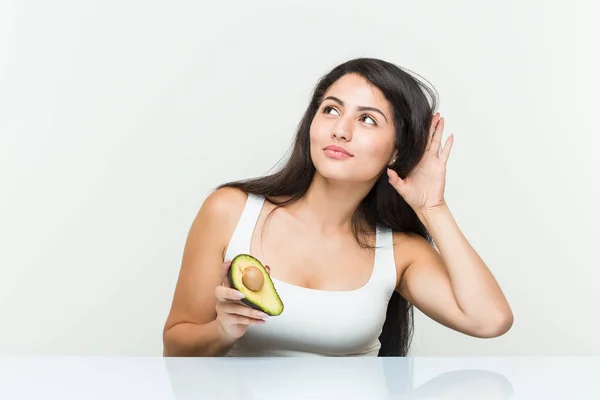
pixel 347 228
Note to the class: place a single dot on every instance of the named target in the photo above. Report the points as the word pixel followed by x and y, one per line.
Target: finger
pixel 229 320
pixel 223 293
pixel 395 179
pixel 447 148
pixel 224 270
pixel 434 122
pixel 243 310
pixel 241 320
pixel 436 139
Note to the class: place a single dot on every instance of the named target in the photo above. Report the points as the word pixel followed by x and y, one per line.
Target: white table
pixel 118 378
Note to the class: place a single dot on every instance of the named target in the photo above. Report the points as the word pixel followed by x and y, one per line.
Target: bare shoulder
pixel 410 248
pixel 224 202
pixel 221 211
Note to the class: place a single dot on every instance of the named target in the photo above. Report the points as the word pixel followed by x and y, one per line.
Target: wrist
pixel 222 336
pixel 428 216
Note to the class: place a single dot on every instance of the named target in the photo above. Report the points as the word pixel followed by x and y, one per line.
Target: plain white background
pixel 117 118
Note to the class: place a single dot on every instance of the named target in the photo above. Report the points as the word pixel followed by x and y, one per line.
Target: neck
pixel 330 205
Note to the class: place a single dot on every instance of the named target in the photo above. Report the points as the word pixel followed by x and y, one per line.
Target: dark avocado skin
pixel 245 300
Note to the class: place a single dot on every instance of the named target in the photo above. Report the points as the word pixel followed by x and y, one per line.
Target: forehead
pixel 354 90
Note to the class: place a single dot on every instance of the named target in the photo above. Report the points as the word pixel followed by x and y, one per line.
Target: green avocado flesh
pixel 249 276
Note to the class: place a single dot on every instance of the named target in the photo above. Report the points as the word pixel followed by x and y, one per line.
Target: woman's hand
pixel 233 315
pixel 423 188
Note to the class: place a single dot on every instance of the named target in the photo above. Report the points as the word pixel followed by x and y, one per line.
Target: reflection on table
pixel 326 378
pixel 304 378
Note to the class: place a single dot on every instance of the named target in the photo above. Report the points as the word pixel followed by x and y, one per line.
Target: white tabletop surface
pixel 118 378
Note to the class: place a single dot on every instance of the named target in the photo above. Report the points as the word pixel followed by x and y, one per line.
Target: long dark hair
pixel 413 104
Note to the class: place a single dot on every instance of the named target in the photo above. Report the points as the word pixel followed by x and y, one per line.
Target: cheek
pixel 377 149
pixel 319 132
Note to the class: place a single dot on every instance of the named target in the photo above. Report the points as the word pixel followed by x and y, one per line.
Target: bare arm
pixel 454 287
pixel 188 339
pixel 191 328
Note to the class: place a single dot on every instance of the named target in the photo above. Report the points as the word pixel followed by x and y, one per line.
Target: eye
pixel 328 109
pixel 370 118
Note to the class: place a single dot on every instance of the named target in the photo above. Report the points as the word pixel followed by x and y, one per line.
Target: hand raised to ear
pixel 423 189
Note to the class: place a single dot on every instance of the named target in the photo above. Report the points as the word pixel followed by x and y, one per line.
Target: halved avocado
pixel 250 277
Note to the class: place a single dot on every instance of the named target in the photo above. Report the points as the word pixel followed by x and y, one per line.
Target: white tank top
pixel 318 322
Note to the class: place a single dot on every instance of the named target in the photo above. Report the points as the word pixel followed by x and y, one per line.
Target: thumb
pixel 395 179
pixel 224 271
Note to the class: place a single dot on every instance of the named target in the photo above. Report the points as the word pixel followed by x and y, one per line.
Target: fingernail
pixel 239 295
pixel 262 315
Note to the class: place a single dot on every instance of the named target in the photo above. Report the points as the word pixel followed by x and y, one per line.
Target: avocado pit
pixel 253 279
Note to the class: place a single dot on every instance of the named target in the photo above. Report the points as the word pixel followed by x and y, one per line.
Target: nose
pixel 342 130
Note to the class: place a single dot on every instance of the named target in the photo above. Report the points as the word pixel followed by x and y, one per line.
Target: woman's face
pixel 352 133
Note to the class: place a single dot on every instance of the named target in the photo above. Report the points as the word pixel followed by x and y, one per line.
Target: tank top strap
pixel 242 235
pixel 385 273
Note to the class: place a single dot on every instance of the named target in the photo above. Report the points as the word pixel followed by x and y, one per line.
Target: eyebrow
pixel 362 108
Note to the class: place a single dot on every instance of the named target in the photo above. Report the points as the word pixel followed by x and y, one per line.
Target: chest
pixel 301 258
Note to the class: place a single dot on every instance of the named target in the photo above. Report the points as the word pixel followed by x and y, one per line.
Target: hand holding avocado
pixel 235 311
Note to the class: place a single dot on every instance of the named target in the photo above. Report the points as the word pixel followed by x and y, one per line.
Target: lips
pixel 338 149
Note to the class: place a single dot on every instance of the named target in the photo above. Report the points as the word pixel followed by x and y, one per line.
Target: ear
pixel 394 156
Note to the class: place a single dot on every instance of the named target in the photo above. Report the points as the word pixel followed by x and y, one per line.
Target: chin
pixel 346 171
